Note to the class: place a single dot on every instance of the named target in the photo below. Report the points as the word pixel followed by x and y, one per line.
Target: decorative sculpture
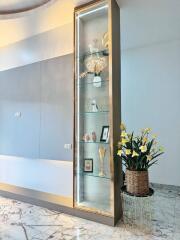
pixel 102 152
pixel 94 106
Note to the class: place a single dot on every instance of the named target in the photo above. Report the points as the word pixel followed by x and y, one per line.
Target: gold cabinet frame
pixel 114 113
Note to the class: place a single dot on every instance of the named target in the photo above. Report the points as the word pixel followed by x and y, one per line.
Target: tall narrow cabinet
pixel 97 170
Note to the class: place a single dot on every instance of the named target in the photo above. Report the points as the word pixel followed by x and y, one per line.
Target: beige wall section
pixel 31 23
pixel 50 44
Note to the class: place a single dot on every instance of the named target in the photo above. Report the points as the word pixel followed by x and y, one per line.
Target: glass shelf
pixel 94 113
pixel 100 53
pixel 84 82
pixel 95 175
pixel 93 142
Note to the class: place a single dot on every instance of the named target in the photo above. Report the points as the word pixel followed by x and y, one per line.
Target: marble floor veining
pixel 21 221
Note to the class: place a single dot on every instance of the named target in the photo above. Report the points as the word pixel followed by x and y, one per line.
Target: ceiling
pixel 15 6
pixel 143 22
pixel 21 26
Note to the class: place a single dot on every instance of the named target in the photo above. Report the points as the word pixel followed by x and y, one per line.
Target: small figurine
pixel 94 137
pixel 93 48
pixel 94 106
pixel 86 137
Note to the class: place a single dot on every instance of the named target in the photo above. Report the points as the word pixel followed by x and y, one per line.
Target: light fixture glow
pixel 92 11
pixel 78 120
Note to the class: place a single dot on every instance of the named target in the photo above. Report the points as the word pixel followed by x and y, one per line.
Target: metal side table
pixel 138 211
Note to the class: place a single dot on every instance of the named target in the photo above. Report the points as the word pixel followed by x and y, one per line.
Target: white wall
pixel 48 175
pixel 150 98
pixel 38 174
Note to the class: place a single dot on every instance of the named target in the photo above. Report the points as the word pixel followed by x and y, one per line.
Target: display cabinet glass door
pixel 93 188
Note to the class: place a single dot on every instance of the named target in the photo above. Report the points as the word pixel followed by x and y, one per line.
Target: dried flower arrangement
pixel 95 65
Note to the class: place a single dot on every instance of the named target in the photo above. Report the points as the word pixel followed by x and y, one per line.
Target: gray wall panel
pixel 19 92
pixel 56 108
pixel 43 94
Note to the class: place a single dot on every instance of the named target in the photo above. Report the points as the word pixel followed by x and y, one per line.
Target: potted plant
pixel 138 154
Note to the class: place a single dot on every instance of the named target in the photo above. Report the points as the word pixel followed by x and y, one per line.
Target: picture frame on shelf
pixel 104 134
pixel 88 165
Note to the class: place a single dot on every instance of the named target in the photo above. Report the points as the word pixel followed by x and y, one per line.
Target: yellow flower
pixel 135 154
pixel 149 157
pixel 143 148
pixel 123 134
pixel 128 151
pixel 154 136
pixel 144 140
pixel 146 130
pixel 124 141
pixel 119 153
pixel 122 127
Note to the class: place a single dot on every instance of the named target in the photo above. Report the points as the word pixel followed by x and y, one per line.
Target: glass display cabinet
pixel 97 171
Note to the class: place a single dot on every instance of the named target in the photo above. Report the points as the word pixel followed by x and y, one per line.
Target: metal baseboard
pixel 52 202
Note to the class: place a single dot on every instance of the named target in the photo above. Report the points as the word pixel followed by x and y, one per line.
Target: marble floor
pixel 21 221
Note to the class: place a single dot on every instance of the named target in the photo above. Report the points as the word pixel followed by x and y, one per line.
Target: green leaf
pixel 149 165
pixel 149 145
pixel 157 155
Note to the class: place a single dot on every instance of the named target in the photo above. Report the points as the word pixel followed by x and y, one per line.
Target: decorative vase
pixel 137 182
pixel 97 81
pixel 102 152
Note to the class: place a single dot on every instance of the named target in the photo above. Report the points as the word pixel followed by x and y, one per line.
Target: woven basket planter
pixel 137 182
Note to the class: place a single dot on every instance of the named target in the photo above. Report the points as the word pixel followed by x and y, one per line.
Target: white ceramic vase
pixel 97 81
